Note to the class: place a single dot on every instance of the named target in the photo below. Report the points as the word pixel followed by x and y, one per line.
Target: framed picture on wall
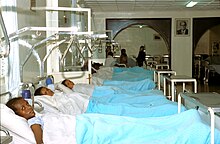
pixel 182 27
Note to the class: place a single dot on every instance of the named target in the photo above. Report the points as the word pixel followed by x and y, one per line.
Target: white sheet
pixel 59 129
pixel 83 88
pixel 74 103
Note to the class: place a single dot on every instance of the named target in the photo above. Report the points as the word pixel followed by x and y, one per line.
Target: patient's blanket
pixel 89 89
pixel 123 109
pixel 146 84
pixel 121 74
pixel 86 89
pixel 132 74
pixel 182 128
pixel 59 129
pixel 143 104
pixel 150 103
pixel 186 127
pixel 117 95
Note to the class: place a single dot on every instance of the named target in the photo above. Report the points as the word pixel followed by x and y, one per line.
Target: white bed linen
pixel 59 129
pixel 102 74
pixel 73 103
pixel 83 88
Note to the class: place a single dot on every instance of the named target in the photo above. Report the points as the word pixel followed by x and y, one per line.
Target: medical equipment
pixel 4 39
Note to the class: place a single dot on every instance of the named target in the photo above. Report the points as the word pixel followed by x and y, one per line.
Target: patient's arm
pixel 38 133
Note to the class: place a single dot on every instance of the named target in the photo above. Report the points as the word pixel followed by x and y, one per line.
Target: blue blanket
pixel 132 74
pixel 146 84
pixel 100 91
pixel 132 110
pixel 139 104
pixel 117 95
pixel 183 128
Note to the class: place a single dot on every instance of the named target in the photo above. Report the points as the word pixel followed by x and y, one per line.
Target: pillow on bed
pixel 15 123
pixel 63 88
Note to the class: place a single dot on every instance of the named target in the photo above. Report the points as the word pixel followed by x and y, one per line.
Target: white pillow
pixel 63 88
pixel 16 124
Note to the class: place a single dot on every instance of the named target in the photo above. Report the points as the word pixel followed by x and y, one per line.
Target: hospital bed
pixel 106 100
pixel 208 104
pixel 87 128
pixel 124 96
pixel 182 128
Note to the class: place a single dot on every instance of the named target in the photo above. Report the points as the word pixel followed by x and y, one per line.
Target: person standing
pixel 123 57
pixel 141 56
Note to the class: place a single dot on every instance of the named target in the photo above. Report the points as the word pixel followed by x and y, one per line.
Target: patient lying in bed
pixel 80 87
pixel 154 104
pixel 88 89
pixel 186 127
pixel 23 109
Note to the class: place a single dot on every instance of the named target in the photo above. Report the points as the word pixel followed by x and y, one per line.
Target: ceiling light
pixel 191 4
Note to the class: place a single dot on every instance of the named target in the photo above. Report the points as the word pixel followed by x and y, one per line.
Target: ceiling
pixel 147 5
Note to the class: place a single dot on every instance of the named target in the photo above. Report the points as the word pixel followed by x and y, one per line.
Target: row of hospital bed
pixel 120 105
pixel 128 103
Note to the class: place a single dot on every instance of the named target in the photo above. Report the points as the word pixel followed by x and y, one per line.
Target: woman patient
pixel 73 103
pixel 87 128
pixel 22 108
pixel 79 87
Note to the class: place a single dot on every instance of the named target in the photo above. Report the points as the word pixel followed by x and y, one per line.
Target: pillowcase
pixel 16 124
pixel 63 88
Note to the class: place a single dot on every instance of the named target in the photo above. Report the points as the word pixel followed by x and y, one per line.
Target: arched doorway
pixel 206 33
pixel 155 34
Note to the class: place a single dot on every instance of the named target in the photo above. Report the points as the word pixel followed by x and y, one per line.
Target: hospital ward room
pixel 72 73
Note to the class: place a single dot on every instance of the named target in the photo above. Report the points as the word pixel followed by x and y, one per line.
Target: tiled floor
pixel 208 87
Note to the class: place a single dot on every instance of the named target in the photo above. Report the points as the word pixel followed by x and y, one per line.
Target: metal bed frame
pixel 206 102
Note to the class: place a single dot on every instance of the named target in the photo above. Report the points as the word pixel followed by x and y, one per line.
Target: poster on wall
pixel 182 27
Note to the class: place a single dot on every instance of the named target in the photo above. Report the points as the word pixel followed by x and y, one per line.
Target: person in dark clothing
pixel 141 56
pixel 123 57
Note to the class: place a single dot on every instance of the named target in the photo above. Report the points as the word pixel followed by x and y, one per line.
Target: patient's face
pixel 24 109
pixel 47 91
pixel 69 84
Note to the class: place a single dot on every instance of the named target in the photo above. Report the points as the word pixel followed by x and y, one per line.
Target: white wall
pixel 132 38
pixel 181 47
pixel 27 17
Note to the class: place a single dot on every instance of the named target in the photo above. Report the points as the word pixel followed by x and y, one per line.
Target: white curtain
pixel 10 18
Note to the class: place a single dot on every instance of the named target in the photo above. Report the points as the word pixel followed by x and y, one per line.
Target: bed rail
pixel 4 130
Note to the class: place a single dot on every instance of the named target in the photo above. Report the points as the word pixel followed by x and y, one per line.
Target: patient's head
pixel 43 91
pixel 21 107
pixel 68 83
